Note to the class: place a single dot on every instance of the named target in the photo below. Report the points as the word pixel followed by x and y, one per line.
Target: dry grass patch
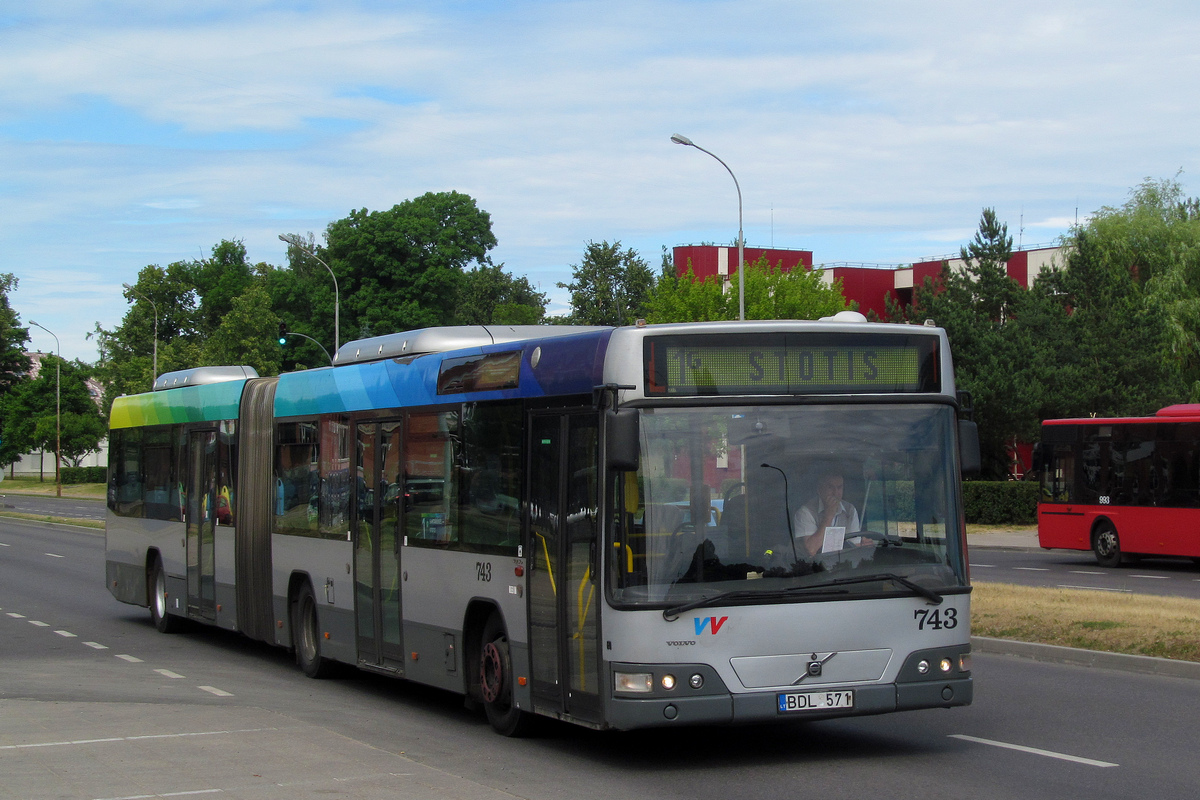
pixel 1168 627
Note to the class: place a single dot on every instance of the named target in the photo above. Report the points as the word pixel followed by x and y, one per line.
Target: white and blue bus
pixel 608 526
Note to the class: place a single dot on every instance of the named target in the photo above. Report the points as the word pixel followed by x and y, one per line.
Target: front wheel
pixel 496 681
pixel 1106 545
pixel 157 583
pixel 306 633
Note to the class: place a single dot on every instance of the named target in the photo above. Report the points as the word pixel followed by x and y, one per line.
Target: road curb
pixel 1123 662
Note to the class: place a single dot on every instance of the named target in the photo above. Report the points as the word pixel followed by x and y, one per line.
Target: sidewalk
pixel 1004 540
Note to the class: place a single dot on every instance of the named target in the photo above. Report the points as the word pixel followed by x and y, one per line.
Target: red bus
pixel 1122 487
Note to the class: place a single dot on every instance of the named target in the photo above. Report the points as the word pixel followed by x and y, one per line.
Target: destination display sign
pixel 792 363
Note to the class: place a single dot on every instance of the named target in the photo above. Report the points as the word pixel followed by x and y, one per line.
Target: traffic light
pixel 282 334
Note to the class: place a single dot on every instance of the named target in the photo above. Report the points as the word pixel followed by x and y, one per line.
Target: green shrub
pixel 84 474
pixel 1000 502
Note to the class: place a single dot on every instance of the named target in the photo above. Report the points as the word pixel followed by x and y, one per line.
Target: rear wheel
pixel 496 681
pixel 157 583
pixel 1106 544
pixel 306 633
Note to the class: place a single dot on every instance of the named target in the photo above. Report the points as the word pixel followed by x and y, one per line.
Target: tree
pixel 217 282
pixel 31 420
pixel 14 364
pixel 771 293
pixel 247 334
pixel 609 286
pixel 490 296
pixel 402 269
pixel 125 365
pixel 978 307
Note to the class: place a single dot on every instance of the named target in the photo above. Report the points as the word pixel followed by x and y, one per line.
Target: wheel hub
pixel 491 673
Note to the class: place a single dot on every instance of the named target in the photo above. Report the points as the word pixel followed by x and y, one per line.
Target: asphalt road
pixel 1171 577
pixel 68 507
pixel 94 703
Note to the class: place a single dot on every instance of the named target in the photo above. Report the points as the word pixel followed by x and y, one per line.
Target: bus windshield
pixel 758 500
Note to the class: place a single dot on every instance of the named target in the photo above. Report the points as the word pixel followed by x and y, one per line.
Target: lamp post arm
pixel 679 139
pixel 300 244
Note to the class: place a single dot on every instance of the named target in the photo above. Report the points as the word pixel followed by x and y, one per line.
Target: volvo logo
pixel 814 667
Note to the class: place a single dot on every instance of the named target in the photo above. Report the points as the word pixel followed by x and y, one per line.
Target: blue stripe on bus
pixel 569 365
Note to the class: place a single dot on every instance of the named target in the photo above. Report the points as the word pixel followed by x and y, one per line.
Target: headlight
pixel 638 682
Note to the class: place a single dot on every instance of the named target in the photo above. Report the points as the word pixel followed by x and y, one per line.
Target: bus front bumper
pixel 758 707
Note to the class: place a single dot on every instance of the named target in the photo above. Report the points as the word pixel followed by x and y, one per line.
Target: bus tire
pixel 156 582
pixel 496 681
pixel 1106 545
pixel 306 635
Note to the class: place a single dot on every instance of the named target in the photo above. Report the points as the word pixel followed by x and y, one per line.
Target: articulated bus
pixel 598 525
pixel 1122 488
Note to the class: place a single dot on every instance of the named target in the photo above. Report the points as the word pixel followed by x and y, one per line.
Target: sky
pixel 136 132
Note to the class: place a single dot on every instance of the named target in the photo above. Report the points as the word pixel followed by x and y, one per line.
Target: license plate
pixel 815 701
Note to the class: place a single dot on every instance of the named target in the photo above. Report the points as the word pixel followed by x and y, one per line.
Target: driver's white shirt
pixel 806 518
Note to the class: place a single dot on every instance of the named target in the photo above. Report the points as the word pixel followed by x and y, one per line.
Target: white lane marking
pixel 66 634
pixel 216 691
pixel 1091 762
pixel 165 794
pixel 166 673
pixel 2 544
pixel 54 555
pixel 1094 588
pixel 96 645
pixel 982 566
pixel 39 623
pixel 1153 577
pixel 132 739
pixel 1087 572
pixel 1034 569
pixel 130 659
pixel 15 615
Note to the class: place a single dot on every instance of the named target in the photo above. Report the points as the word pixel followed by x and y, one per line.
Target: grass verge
pixel 48 488
pixel 1139 624
pixel 83 523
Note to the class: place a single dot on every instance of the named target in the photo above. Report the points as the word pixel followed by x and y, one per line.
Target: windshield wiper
pixel 923 591
pixel 670 614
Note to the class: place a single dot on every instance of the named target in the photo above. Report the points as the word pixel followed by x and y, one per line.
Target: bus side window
pixel 431 452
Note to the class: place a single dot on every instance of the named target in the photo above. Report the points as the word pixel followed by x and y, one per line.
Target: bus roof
pixel 1180 412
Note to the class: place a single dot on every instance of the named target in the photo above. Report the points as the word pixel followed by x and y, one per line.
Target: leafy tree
pixel 217 282
pixel 490 296
pixel 31 418
pixel 978 306
pixel 14 364
pixel 126 358
pixel 609 286
pixel 771 293
pixel 247 334
pixel 403 268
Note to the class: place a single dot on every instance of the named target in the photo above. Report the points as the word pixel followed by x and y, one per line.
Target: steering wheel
pixel 883 539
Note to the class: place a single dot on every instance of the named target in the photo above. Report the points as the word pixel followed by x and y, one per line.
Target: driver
pixel 826 510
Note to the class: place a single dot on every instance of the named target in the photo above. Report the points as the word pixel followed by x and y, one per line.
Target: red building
pixel 866 284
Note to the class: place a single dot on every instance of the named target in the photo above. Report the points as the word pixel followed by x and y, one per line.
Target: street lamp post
pixel 679 138
pixel 57 410
pixel 155 307
pixel 295 241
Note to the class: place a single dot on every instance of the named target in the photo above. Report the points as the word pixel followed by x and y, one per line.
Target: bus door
pixel 564 594
pixel 376 554
pixel 201 514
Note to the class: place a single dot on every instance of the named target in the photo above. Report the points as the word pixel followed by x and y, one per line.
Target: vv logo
pixel 711 623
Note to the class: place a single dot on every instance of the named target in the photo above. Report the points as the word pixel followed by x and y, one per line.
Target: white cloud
pixel 868 131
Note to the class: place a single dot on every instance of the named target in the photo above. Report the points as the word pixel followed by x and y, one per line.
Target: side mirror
pixel 968 448
pixel 623 446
